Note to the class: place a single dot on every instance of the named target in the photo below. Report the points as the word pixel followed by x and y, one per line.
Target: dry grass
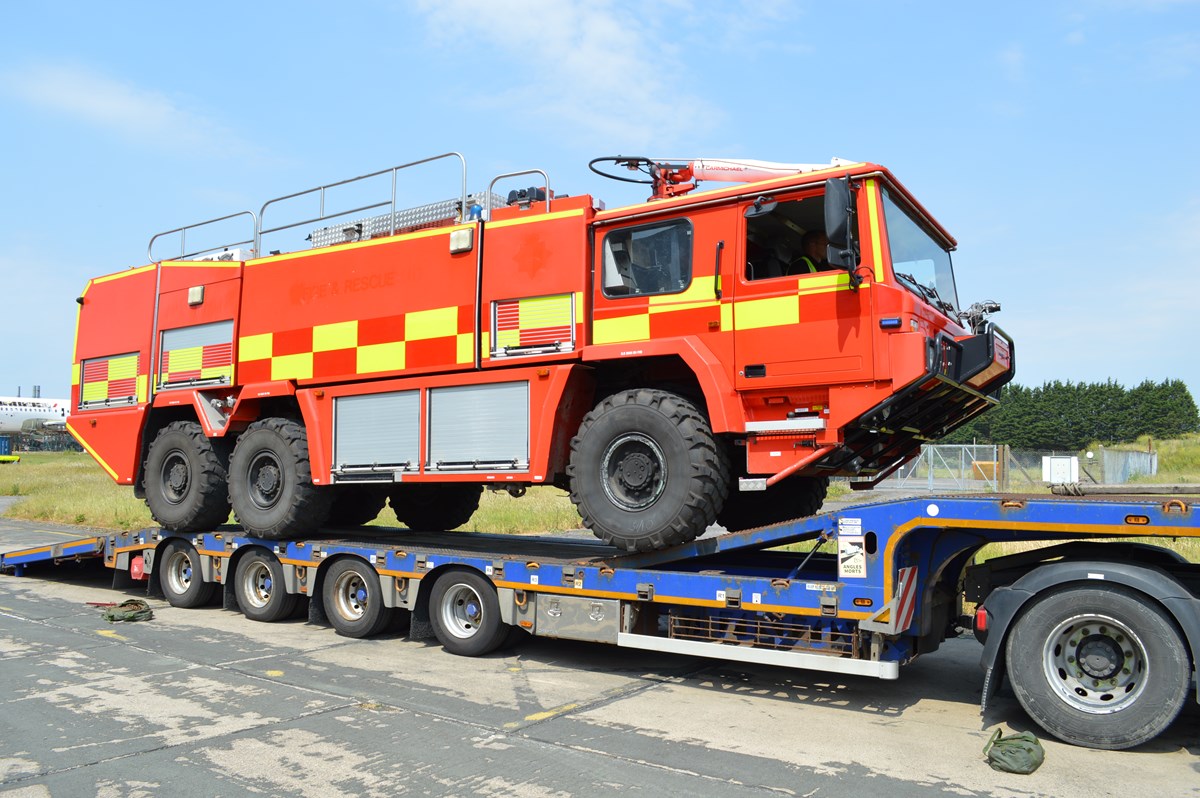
pixel 70 488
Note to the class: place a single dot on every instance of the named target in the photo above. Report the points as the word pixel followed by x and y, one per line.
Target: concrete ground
pixel 205 702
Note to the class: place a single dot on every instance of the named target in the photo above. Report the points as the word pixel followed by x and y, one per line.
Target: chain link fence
pixel 942 468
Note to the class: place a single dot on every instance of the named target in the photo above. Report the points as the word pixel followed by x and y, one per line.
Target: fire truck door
pixel 194 329
pixel 796 321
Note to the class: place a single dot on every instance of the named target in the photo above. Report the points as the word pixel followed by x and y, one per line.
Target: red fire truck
pixel 698 357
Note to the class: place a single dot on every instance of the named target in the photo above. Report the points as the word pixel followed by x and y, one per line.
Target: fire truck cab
pixel 698 357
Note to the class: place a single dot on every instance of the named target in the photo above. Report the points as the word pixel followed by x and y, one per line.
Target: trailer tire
pixel 646 471
pixel 429 507
pixel 179 576
pixel 465 613
pixel 259 587
pixel 1100 666
pixel 795 497
pixel 353 599
pixel 270 481
pixel 186 478
pixel 355 505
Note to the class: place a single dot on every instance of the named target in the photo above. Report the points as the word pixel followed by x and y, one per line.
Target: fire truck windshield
pixel 920 263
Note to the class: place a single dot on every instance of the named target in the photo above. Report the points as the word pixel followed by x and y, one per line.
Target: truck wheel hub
pixel 1099 658
pixel 633 471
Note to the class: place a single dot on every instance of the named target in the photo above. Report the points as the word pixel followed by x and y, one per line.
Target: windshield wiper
pixel 929 292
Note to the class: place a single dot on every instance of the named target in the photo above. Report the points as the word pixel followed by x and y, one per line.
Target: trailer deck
pixel 886 589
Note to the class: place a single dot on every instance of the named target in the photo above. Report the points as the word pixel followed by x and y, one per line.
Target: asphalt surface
pixel 205 702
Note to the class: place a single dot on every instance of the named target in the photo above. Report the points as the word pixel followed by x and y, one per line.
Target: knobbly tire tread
pixel 435 507
pixel 1141 721
pixel 355 505
pixel 795 497
pixel 706 463
pixel 309 508
pixel 208 506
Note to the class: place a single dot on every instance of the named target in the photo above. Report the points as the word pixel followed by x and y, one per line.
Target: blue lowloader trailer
pixel 1097 631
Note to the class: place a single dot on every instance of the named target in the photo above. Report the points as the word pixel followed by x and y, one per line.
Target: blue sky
pixel 1056 140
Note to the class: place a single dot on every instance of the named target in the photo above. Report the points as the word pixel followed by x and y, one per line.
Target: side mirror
pixel 761 207
pixel 840 227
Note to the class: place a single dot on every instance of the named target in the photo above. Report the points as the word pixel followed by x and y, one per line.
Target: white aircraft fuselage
pixel 26 414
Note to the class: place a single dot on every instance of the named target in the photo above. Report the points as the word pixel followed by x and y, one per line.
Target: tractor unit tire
pixel 429 507
pixel 185 478
pixel 270 481
pixel 795 497
pixel 646 471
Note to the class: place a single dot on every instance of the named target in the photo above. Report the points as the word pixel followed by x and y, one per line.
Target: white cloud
pixel 137 115
pixel 605 72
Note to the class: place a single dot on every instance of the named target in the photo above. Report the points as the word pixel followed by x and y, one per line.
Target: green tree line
pixel 1068 416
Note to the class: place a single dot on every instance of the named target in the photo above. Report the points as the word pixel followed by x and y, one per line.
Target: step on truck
pixel 701 356
pixel 1097 632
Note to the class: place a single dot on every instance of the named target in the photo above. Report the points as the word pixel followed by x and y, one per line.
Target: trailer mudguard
pixel 1005 604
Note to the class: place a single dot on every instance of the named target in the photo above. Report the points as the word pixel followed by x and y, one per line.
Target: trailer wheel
pixel 185 478
pixel 427 507
pixel 354 599
pixel 646 472
pixel 259 588
pixel 795 497
pixel 465 614
pixel 355 505
pixel 179 576
pixel 1099 666
pixel 270 481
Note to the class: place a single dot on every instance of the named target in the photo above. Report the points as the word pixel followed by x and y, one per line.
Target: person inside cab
pixel 814 246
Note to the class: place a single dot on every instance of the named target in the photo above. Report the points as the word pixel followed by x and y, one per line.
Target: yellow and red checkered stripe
pixel 213 361
pixel 535 322
pixel 109 380
pixel 434 338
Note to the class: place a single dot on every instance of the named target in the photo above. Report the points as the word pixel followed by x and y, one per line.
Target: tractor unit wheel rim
pixel 257 585
pixel 1095 664
pixel 462 611
pixel 179 572
pixel 265 478
pixel 633 471
pixel 175 476
pixel 350 596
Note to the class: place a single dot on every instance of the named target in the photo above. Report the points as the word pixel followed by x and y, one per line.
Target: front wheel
pixel 1102 667
pixel 465 613
pixel 646 472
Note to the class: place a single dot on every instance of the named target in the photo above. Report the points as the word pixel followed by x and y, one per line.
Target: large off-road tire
pixel 178 569
pixel 258 585
pixel 427 507
pixel 465 613
pixel 185 478
pixel 1101 666
pixel 795 497
pixel 353 599
pixel 646 472
pixel 270 481
pixel 355 505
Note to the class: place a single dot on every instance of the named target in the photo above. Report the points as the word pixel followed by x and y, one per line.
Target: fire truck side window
pixel 775 241
pixel 648 259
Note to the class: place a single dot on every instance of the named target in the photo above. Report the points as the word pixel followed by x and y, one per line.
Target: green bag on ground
pixel 1017 753
pixel 132 610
